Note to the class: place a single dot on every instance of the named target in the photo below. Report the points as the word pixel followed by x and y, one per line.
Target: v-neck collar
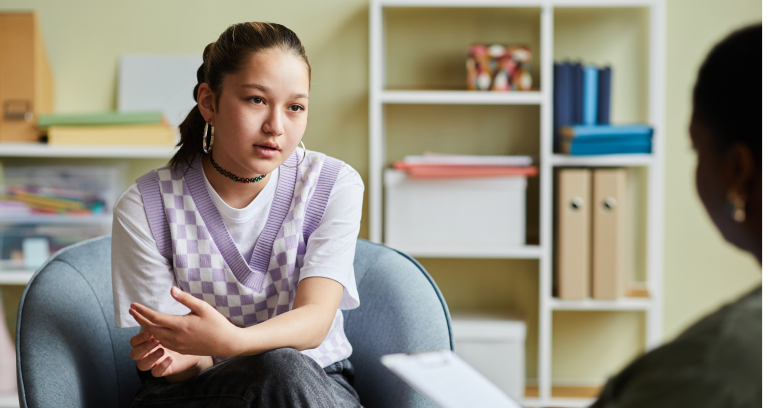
pixel 253 274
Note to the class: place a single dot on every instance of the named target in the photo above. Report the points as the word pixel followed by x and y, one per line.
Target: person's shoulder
pixel 129 203
pixel 719 357
pixel 347 176
pixel 737 322
pixel 736 348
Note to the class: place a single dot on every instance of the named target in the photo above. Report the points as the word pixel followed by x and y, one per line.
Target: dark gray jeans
pixel 275 379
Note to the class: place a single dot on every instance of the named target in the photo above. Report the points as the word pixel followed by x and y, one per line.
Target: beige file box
pixel 26 84
pixel 609 207
pixel 573 212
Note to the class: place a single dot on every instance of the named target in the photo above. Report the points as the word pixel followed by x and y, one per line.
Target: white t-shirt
pixel 141 274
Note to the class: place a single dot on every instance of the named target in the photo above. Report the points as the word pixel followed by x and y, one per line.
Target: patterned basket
pixel 499 68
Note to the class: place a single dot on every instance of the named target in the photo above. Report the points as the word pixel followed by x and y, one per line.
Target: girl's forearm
pixel 303 328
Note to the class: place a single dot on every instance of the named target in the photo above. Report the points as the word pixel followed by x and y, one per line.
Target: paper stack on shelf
pixel 108 128
pixel 432 165
pixel 582 114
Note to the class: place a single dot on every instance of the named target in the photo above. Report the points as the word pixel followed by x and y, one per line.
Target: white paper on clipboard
pixel 447 380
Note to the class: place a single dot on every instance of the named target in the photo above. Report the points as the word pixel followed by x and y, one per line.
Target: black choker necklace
pixel 232 176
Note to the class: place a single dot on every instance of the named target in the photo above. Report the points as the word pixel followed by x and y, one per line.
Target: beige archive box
pixel 573 233
pixel 609 203
pixel 26 84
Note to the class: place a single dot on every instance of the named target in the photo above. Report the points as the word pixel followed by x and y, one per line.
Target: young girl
pixel 237 257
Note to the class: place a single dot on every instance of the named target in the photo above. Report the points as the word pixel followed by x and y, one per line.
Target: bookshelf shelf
pixel 461 97
pixel 557 402
pixel 380 96
pixel 466 251
pixel 15 277
pixel 610 160
pixel 624 304
pixel 44 150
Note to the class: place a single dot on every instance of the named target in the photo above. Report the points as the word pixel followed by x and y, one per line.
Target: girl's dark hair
pixel 226 56
pixel 728 93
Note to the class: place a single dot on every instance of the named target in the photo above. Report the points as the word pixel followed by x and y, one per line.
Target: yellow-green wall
pixel 85 38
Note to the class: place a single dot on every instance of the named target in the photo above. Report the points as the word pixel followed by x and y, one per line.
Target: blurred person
pixel 237 257
pixel 718 361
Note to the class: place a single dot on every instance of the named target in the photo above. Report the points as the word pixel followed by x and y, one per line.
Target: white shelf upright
pixel 379 96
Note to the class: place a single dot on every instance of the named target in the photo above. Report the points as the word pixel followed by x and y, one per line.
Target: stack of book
pixel 108 128
pixel 581 114
pixel 433 165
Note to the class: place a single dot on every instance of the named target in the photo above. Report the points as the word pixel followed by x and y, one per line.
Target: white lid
pixel 488 328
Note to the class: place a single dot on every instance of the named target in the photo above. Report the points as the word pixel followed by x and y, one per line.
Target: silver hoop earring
pixel 304 153
pixel 207 146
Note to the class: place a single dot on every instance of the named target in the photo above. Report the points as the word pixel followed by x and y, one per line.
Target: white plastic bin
pixel 495 347
pixel 471 212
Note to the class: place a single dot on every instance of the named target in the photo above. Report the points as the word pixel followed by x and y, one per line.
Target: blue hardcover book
pixel 577 148
pixel 590 94
pixel 601 131
pixel 562 98
pixel 603 104
pixel 577 92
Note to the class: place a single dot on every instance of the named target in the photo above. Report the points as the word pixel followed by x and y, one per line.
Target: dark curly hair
pixel 727 97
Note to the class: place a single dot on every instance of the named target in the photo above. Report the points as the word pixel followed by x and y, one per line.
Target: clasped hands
pixel 178 347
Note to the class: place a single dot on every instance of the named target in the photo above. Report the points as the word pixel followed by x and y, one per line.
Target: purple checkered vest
pixel 191 234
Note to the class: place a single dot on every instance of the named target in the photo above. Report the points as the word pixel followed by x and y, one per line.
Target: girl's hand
pixel 202 332
pixel 150 355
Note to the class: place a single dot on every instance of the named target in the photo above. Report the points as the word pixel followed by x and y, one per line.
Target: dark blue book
pixel 590 94
pixel 562 98
pixel 603 104
pixel 577 148
pixel 577 92
pixel 603 131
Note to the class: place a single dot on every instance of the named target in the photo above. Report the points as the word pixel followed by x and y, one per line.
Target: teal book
pixel 590 94
pixel 605 131
pixel 583 148
pixel 99 119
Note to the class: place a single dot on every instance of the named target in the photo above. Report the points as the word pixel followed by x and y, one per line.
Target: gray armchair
pixel 70 354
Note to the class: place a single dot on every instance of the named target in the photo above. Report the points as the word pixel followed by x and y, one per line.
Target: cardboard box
pixel 26 83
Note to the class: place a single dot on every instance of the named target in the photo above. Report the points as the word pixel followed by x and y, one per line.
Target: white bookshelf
pixel 380 96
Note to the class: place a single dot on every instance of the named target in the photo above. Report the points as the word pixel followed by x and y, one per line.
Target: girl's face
pixel 261 114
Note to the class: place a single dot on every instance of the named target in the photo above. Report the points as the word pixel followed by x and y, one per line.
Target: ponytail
pixel 191 128
pixel 226 56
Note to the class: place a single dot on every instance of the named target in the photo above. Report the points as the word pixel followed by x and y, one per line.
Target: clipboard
pixel 446 379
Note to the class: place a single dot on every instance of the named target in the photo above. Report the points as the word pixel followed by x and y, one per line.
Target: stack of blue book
pixel 581 115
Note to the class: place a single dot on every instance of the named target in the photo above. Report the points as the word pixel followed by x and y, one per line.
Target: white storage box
pixel 454 213
pixel 495 347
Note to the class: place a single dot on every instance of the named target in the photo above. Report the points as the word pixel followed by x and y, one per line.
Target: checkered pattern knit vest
pixel 191 234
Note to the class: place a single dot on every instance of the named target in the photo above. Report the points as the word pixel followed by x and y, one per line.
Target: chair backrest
pixel 69 352
pixel 402 311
